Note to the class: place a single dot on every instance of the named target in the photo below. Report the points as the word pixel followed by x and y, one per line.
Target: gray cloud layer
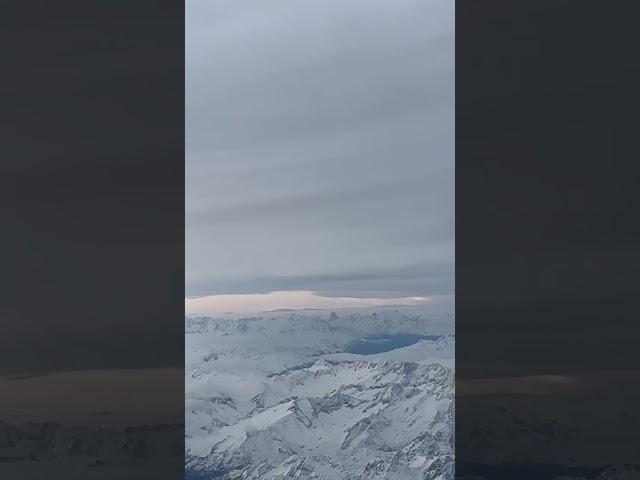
pixel 320 147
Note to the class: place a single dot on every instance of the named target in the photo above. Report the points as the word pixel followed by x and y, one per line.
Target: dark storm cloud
pixel 320 147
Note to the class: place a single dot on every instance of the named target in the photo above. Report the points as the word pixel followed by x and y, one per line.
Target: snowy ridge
pixel 273 398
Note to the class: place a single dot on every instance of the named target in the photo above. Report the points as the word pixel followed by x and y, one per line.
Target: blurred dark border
pixel 547 239
pixel 92 243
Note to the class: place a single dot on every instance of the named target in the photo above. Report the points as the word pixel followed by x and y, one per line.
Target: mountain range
pixel 320 396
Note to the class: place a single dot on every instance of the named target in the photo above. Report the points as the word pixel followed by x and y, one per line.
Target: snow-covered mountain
pixel 355 397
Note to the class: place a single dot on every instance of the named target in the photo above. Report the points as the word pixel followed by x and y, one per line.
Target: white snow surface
pixel 276 396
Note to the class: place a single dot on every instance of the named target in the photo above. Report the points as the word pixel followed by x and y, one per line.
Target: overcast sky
pixel 319 147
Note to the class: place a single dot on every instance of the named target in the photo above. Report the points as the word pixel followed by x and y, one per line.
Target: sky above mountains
pixel 319 148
